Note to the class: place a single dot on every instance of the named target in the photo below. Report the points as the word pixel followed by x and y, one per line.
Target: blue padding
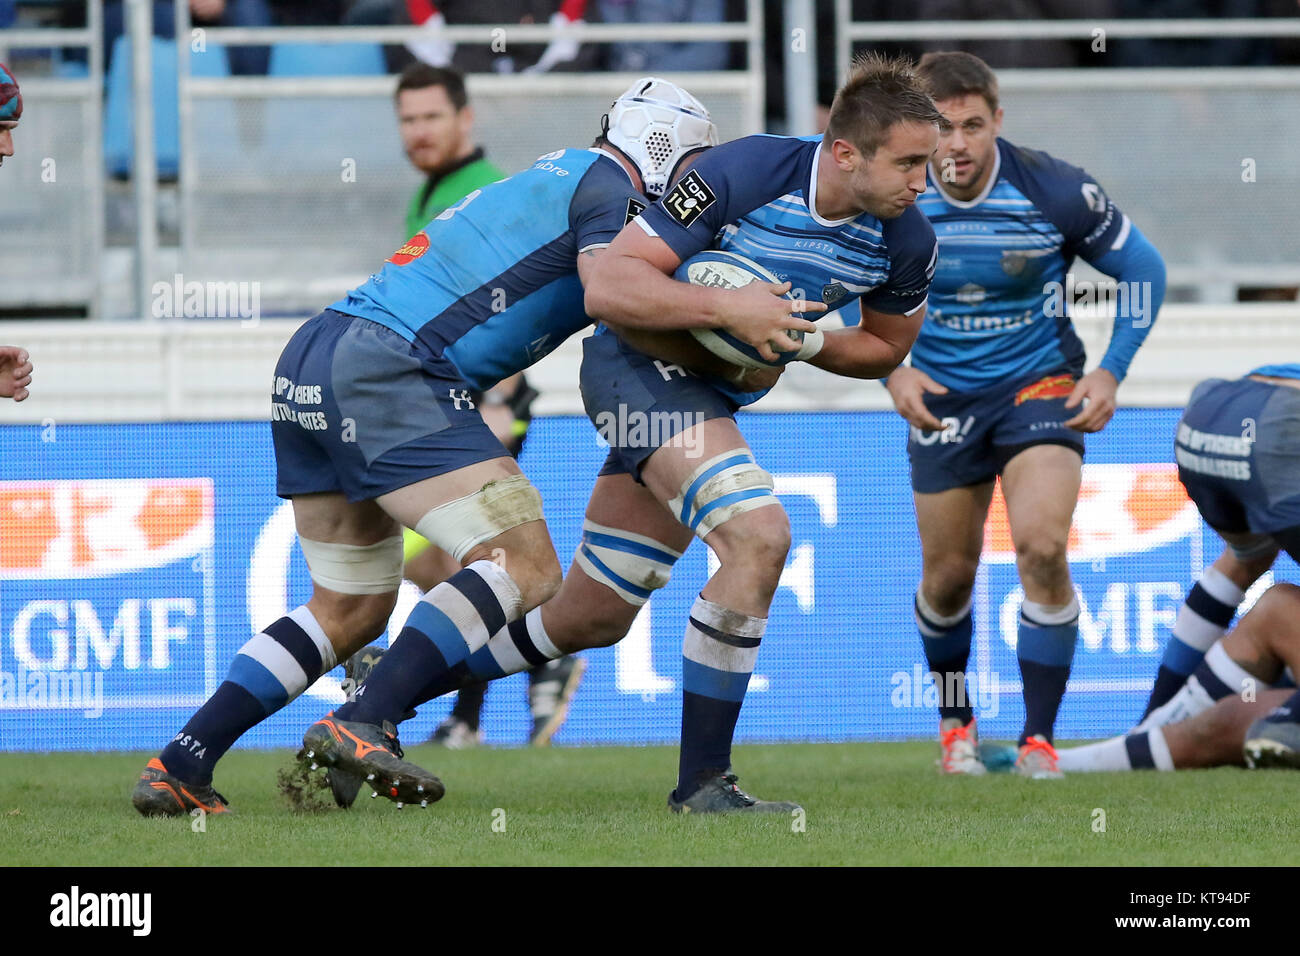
pixel 327 59
pixel 119 118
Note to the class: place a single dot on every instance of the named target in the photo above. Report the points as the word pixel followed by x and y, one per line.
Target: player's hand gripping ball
pixel 726 270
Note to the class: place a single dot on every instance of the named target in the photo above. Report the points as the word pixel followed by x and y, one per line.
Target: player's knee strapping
pixel 355 569
pixel 632 565
pixel 456 618
pixel 458 526
pixel 721 488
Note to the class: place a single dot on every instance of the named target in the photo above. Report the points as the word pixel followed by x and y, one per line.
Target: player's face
pixel 434 132
pixel 967 145
pixel 887 183
pixel 6 139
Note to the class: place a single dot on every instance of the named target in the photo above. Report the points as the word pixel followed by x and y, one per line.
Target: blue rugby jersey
pixel 492 282
pixel 756 197
pixel 1288 370
pixel 998 301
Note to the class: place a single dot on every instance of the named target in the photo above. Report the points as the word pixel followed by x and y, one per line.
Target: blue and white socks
pixel 269 671
pixel 1146 750
pixel 718 654
pixel 1203 618
pixel 1045 650
pixel 447 626
pixel 946 641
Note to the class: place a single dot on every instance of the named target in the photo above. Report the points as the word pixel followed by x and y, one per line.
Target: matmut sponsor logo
pixel 1123 509
pixel 100 527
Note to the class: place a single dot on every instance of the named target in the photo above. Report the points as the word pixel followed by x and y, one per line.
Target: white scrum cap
pixel 656 123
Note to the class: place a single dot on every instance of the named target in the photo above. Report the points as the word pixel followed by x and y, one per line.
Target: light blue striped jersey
pixel 493 282
pixel 756 197
pixel 997 304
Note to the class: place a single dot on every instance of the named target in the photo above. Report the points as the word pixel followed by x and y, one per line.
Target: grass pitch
pixel 866 804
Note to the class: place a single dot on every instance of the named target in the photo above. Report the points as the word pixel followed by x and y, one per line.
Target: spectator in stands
pixel 203 13
pixel 652 57
pixel 563 53
pixel 437 127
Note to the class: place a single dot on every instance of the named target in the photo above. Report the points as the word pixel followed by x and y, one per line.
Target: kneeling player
pixel 1238 453
pixel 1229 711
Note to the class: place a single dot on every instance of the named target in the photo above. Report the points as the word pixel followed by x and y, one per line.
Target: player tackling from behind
pixel 374 430
pixel 996 387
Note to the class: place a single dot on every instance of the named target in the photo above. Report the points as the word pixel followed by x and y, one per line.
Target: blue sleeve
pixel 604 202
pixel 913 252
pixel 1140 271
pixel 724 184
pixel 1070 199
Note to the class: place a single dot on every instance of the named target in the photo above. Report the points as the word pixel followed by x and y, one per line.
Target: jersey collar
pixel 606 153
pixel 812 194
pixel 984 193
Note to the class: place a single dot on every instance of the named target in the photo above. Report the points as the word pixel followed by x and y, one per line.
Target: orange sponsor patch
pixel 1054 386
pixel 415 247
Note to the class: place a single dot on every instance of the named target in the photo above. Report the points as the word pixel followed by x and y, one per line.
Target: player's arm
pixel 631 286
pixel 874 347
pixel 1140 271
pixel 1096 230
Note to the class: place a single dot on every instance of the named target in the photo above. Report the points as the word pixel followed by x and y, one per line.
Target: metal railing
pixel 52 200
pixel 266 204
pixel 1196 158
pixel 904 31
pixel 221 370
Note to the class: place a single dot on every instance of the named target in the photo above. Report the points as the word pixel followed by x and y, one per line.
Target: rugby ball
pixel 726 270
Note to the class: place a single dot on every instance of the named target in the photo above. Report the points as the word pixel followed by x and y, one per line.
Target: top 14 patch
pixel 687 200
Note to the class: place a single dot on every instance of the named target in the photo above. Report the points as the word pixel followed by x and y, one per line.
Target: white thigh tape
pixel 494 509
pixel 355 569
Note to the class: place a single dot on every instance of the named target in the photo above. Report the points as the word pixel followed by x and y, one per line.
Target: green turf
pixel 866 804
